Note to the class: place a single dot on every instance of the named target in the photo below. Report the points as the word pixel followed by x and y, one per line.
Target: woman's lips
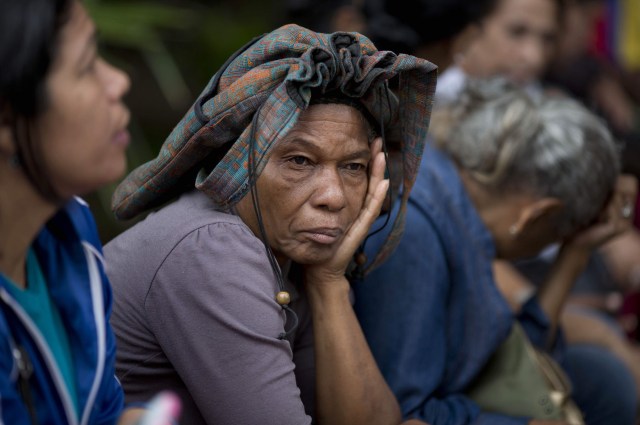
pixel 324 236
pixel 122 138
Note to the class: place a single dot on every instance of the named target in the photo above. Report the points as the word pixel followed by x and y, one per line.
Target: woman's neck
pixel 23 212
pixel 497 212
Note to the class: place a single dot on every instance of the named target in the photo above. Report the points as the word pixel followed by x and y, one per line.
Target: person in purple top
pixel 236 293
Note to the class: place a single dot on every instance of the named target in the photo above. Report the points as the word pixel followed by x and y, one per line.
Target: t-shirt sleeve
pixel 212 309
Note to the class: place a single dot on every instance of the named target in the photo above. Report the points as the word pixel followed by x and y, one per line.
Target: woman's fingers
pixel 376 194
pixel 376 169
pixel 616 216
pixel 360 227
pixel 620 210
pixel 626 195
pixel 627 184
pixel 337 266
pixel 376 147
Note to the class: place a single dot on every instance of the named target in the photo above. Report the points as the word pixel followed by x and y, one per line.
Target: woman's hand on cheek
pixel 334 269
pixel 614 220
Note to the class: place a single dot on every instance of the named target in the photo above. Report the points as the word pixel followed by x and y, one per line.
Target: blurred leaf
pixel 120 15
pixel 171 48
pixel 138 26
pixel 168 75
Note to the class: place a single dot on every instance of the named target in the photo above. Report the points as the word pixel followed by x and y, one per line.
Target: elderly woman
pixel 279 177
pixel 513 176
pixel 62 133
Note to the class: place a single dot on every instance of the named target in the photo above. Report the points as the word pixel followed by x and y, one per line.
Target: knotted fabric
pixel 268 85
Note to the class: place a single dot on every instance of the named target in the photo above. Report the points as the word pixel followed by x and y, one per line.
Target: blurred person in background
pixel 594 79
pixel 434 29
pixel 327 16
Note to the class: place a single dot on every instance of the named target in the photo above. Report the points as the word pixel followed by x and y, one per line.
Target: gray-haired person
pixel 511 176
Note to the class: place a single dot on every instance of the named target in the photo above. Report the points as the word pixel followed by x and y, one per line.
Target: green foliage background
pixel 170 49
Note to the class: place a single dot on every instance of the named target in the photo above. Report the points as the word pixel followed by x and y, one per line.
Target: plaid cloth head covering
pixel 260 93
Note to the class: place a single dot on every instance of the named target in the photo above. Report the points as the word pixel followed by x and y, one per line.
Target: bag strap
pixel 557 379
pixel 552 371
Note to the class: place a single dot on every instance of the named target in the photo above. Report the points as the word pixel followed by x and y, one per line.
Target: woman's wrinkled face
pixel 82 132
pixel 313 185
pixel 516 41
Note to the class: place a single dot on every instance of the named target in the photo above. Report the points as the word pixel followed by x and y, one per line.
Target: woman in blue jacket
pixel 62 133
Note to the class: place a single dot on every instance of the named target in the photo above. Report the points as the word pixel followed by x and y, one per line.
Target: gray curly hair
pixel 548 146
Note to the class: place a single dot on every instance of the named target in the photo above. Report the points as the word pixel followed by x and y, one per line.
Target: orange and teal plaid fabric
pixel 269 85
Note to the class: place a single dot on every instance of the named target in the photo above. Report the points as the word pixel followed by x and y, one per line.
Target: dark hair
pixel 28 40
pixel 403 26
pixel 315 15
pixel 29 37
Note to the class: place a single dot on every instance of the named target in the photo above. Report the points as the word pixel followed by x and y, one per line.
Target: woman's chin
pixel 313 257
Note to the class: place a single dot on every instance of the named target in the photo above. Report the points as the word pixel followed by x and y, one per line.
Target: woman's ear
pixel 538 211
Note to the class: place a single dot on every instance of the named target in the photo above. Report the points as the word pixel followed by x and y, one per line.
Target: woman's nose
pixel 117 81
pixel 532 53
pixel 330 192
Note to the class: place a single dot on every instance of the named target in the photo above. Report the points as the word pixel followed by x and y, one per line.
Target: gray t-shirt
pixel 195 312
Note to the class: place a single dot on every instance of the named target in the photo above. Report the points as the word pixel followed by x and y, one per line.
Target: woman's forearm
pixel 350 388
pixel 553 293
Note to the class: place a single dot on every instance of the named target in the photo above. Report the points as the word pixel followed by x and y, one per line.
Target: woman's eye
pixel 549 39
pixel 356 166
pixel 299 160
pixel 517 31
pixel 90 67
